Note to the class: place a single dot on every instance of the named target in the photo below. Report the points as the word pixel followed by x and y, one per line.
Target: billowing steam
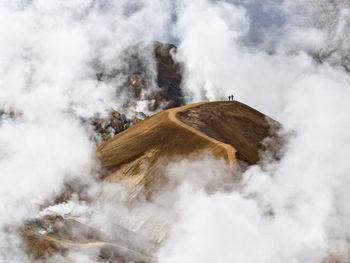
pixel 275 57
pixel 288 59
pixel 51 52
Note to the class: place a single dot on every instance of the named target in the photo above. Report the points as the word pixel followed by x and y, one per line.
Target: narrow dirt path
pixel 230 151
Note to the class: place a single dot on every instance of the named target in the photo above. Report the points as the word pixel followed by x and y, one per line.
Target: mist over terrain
pixel 64 63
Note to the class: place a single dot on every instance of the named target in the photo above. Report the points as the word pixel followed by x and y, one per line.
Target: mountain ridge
pixel 137 156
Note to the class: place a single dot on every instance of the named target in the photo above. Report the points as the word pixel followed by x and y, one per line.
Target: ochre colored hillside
pixel 229 130
pixel 136 158
pixel 233 123
pixel 57 235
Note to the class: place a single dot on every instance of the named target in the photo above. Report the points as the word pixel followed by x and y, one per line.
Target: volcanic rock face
pixel 115 123
pixel 166 92
pixel 161 93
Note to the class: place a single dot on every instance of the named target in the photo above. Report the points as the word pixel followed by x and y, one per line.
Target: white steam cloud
pixel 294 210
pixel 286 58
pixel 49 51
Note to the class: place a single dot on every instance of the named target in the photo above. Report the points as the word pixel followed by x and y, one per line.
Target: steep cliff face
pixel 169 75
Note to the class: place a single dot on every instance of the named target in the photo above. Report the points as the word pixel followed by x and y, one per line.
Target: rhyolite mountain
pixel 136 159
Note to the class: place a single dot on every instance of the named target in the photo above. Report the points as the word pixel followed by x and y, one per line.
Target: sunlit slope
pixel 235 124
pixel 136 158
pixel 229 130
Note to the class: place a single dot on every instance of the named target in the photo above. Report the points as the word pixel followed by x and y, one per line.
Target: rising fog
pixel 288 59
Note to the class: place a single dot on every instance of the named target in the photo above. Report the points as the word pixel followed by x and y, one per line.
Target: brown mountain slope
pixel 229 130
pixel 136 158
pixel 57 235
pixel 236 124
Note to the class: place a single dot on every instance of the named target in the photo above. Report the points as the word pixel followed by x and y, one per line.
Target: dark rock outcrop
pixel 116 122
pixel 164 92
pixel 169 73
pixel 160 92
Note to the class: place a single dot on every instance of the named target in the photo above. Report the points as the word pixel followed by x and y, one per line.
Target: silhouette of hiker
pixel 229 97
